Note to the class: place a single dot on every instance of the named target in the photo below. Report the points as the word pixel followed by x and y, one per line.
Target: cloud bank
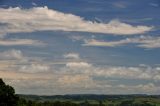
pixel 148 42
pixel 44 19
pixel 75 76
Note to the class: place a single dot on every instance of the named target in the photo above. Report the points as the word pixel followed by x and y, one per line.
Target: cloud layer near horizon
pixel 44 19
pixel 74 74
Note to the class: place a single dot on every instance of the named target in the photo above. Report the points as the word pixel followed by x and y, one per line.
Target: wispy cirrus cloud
pixel 120 4
pixel 21 42
pixel 154 4
pixel 44 19
pixel 149 42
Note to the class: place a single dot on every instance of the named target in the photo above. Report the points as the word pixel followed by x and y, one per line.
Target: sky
pixel 56 47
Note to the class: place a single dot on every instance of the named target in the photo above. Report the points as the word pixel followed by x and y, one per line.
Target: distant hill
pixel 78 97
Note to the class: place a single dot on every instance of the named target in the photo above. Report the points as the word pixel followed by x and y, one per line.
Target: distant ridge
pixel 85 97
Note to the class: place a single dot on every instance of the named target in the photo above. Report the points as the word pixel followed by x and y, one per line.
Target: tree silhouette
pixel 7 95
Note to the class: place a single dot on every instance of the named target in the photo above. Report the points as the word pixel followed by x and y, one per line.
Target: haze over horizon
pixel 55 47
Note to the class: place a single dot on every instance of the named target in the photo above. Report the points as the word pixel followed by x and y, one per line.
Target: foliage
pixel 7 95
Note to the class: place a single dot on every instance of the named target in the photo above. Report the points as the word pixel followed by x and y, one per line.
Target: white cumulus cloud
pixel 12 54
pixel 72 56
pixel 78 65
pixel 34 68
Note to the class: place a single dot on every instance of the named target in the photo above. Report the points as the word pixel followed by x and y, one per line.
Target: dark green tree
pixel 7 95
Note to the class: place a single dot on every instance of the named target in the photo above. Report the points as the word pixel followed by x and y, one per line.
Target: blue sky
pixel 77 46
